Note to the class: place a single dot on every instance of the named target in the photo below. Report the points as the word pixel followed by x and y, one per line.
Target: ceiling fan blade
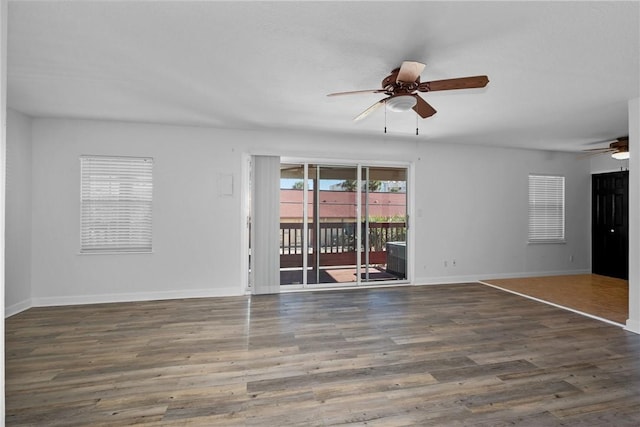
pixel 353 92
pixel 370 110
pixel 588 153
pixel 423 108
pixel 603 150
pixel 409 71
pixel 457 83
pixel 607 141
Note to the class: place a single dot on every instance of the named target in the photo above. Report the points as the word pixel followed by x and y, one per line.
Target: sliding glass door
pixel 342 224
pixel 336 229
pixel 296 196
pixel 384 201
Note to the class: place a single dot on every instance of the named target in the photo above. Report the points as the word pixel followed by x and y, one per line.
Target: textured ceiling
pixel 560 73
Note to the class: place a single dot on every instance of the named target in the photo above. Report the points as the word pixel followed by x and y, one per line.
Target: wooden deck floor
pixel 430 355
pixel 600 296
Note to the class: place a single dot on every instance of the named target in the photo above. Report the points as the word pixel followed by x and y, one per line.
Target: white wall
pixel 3 146
pixel 605 163
pixel 196 240
pixel 633 322
pixel 195 244
pixel 472 207
pixel 472 201
pixel 18 213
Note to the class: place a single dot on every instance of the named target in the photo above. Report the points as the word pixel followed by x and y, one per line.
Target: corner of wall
pixel 19 307
pixel 633 323
pixel 17 213
pixel 132 296
pixel 4 10
pixel 632 326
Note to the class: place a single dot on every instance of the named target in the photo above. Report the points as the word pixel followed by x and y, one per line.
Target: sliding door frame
pixel 245 185
pixel 359 164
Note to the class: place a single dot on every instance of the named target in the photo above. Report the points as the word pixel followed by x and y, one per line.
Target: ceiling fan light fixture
pixel 401 103
pixel 620 155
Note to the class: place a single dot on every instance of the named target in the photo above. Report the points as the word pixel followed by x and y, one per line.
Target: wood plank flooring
pixel 601 296
pixel 453 355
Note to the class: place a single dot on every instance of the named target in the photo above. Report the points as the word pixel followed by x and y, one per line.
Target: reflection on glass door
pixel 342 224
pixel 336 229
pixel 384 201
pixel 294 242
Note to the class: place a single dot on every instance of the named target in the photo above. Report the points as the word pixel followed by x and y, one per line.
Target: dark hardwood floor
pixel 431 355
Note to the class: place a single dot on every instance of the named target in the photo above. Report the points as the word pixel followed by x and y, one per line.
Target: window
pixel 546 209
pixel 116 197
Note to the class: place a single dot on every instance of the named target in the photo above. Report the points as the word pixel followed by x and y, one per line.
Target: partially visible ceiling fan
pixel 619 148
pixel 402 84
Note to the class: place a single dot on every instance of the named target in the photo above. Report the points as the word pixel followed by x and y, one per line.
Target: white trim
pixel 410 222
pixel 445 280
pixel 305 224
pixel 602 319
pixel 245 180
pixel 633 323
pixel 4 12
pixel 632 326
pixel 345 162
pixel 133 297
pixel 534 274
pixel 358 219
pixel 17 308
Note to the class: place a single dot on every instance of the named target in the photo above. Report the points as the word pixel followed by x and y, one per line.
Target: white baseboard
pixel 235 291
pixel 17 308
pixel 633 326
pixel 138 296
pixel 534 274
pixel 444 280
pixel 447 280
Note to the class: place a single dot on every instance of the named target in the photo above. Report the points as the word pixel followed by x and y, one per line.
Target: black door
pixel 610 224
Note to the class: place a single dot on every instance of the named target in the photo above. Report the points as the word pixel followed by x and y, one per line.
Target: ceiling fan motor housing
pixel 621 143
pixel 400 103
pixel 394 87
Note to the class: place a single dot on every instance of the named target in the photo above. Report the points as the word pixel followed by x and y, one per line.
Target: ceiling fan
pixel 619 148
pixel 402 84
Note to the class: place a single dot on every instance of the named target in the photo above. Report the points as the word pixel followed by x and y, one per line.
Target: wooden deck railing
pixel 337 242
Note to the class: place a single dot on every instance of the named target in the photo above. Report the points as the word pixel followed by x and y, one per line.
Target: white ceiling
pixel 560 73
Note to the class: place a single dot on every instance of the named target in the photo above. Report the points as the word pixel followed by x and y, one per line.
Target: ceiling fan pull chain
pixel 416 125
pixel 385 116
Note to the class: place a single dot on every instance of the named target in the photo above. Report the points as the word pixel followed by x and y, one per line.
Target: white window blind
pixel 116 202
pixel 546 208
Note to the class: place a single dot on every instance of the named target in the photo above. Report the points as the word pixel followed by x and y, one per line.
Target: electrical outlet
pixel 446 264
pixel 453 263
